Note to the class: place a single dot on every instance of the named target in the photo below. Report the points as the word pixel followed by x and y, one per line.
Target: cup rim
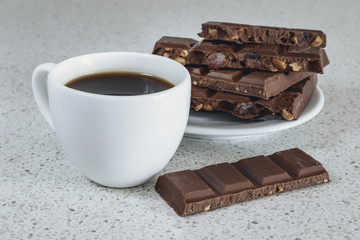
pixel 186 80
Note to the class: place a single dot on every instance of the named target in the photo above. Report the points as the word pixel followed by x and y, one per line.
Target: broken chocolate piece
pixel 274 58
pixel 174 47
pixel 244 33
pixel 288 104
pixel 245 82
pixel 240 106
pixel 220 54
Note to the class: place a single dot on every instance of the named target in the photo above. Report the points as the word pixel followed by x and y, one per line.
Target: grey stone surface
pixel 43 196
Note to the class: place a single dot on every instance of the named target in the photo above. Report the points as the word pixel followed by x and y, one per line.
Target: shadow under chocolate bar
pixel 287 105
pixel 219 54
pixel 246 82
pixel 244 33
pixel 219 185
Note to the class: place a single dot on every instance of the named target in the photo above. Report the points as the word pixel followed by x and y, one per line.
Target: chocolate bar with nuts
pixel 240 106
pixel 220 185
pixel 174 47
pixel 243 33
pixel 274 58
pixel 245 82
pixel 219 54
pixel 288 104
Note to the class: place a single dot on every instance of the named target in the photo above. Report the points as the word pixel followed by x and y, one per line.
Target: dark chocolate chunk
pixel 243 33
pixel 189 192
pixel 288 104
pixel 245 82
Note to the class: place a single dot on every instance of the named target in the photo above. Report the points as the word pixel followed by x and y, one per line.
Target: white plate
pixel 208 125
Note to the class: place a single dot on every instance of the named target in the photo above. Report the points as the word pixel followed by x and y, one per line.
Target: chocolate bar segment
pixel 262 170
pixel 220 54
pixel 293 162
pixel 287 105
pixel 244 33
pixel 240 106
pixel 290 103
pixel 274 58
pixel 184 187
pixel 224 178
pixel 174 47
pixel 189 192
pixel 245 82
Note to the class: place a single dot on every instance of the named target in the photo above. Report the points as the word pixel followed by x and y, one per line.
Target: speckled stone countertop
pixel 43 196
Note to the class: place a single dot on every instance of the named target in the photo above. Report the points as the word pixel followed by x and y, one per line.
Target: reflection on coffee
pixel 120 83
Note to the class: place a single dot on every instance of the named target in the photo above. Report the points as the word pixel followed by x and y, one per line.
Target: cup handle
pixel 40 90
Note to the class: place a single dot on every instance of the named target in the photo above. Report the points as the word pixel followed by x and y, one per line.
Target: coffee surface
pixel 120 83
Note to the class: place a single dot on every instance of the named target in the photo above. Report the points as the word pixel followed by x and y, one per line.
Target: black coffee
pixel 120 83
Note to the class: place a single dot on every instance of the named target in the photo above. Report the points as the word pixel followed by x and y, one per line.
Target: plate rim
pixel 205 132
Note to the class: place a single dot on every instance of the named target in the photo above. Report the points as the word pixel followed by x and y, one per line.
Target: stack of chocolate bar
pixel 250 71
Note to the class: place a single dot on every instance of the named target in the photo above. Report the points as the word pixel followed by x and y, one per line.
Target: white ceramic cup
pixel 116 141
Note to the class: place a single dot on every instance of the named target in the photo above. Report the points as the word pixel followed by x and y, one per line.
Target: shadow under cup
pixel 119 141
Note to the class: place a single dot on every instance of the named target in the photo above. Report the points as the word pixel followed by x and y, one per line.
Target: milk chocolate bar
pixel 287 105
pixel 219 185
pixel 262 34
pixel 220 54
pixel 246 82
